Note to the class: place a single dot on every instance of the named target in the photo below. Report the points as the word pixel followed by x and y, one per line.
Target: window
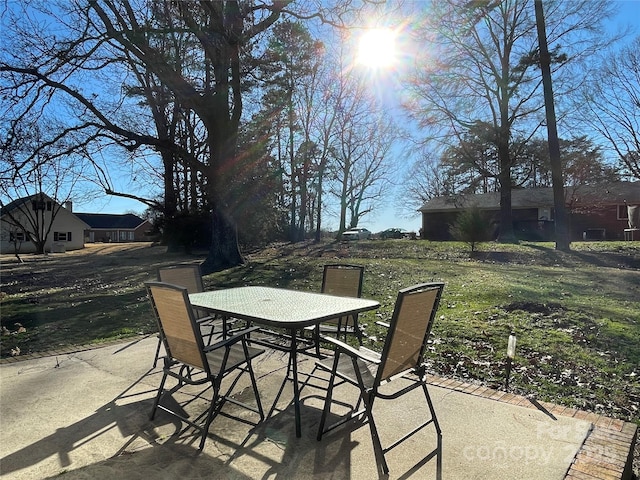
pixel 16 237
pixel 545 214
pixel 132 236
pixel 61 236
pixel 622 212
pixel 41 205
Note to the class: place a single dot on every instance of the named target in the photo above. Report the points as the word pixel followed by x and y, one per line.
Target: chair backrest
pixel 343 280
pixel 176 321
pixel 187 276
pixel 409 329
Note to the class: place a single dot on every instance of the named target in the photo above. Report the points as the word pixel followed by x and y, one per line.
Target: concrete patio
pixel 85 414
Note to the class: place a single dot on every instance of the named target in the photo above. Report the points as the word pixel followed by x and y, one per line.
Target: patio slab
pixel 85 414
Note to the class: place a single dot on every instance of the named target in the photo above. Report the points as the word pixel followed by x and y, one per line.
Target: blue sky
pixel 386 216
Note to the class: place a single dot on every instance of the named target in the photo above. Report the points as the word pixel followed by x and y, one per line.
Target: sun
pixel 377 48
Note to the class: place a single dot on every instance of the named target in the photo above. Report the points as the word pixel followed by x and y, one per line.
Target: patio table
pixel 292 310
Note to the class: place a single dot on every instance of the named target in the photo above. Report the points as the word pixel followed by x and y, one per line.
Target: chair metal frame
pixel 190 362
pixel 401 357
pixel 190 277
pixel 344 281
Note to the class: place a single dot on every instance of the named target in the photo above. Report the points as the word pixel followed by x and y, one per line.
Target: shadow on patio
pixel 86 415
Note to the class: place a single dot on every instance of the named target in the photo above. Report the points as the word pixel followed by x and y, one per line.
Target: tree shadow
pixel 130 418
pixel 160 461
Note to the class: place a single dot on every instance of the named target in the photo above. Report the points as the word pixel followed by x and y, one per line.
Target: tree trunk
pixel 224 251
pixel 318 234
pixel 562 235
pixel 304 202
pixel 506 234
pixel 39 247
pixel 170 201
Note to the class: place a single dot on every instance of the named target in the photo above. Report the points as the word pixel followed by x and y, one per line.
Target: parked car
pixel 356 234
pixel 391 233
pixel 396 233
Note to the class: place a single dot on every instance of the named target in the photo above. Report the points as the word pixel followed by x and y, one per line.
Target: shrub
pixel 472 227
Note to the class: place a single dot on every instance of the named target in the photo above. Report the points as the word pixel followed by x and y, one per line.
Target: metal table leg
pixel 293 358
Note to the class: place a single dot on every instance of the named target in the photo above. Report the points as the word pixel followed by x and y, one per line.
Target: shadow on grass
pixel 598 259
pixel 57 321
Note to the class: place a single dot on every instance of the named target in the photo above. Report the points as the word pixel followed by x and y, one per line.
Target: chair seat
pixel 346 370
pixel 236 357
pixel 329 328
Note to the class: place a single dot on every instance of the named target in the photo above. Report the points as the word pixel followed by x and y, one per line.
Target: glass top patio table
pixel 282 308
pixel 279 307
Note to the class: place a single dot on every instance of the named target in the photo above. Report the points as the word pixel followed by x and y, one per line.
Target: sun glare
pixel 377 48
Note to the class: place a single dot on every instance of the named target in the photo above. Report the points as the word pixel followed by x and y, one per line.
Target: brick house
pixel 107 227
pixel 595 211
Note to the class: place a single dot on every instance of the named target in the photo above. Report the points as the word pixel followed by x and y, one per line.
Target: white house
pixel 20 219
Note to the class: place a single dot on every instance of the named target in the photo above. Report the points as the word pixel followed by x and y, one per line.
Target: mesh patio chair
pixel 191 363
pixel 401 357
pixel 189 277
pixel 343 281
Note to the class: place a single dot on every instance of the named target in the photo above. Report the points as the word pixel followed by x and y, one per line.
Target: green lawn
pixel 576 315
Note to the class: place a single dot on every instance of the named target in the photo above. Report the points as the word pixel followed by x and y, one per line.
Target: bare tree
pixel 370 177
pixel 613 99
pixel 66 73
pixel 423 181
pixel 481 64
pixel 360 165
pixel 222 30
pixel 326 116
pixel 326 132
pixel 111 27
pixel 33 188
pixel 290 66
pixel 221 36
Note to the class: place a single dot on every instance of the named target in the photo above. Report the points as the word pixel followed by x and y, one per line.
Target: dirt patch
pixel 532 307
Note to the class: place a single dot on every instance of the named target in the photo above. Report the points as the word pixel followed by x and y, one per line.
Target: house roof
pixel 613 193
pixel 127 221
pixel 19 202
pixel 22 200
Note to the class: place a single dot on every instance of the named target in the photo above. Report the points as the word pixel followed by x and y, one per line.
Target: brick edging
pixel 607 452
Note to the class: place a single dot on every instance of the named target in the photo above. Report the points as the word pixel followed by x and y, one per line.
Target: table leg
pixel 225 327
pixel 293 358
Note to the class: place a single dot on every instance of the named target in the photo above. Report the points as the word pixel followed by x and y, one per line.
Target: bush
pixel 472 227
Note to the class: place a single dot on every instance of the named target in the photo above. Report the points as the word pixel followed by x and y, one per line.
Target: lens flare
pixel 377 48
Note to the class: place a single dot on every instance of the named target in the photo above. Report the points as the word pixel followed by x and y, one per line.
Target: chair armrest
pixel 208 318
pixel 383 324
pixel 353 352
pixel 230 340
